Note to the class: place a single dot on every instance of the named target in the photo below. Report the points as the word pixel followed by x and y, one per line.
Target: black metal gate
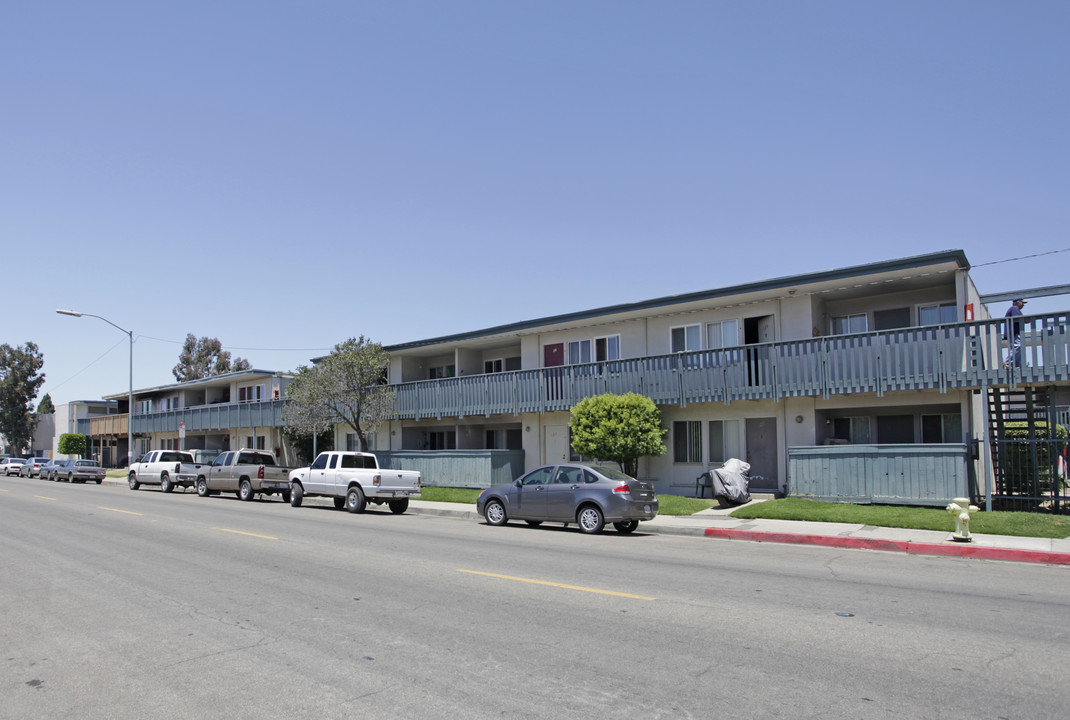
pixel 1029 451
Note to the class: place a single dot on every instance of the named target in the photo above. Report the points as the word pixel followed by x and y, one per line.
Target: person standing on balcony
pixel 1012 333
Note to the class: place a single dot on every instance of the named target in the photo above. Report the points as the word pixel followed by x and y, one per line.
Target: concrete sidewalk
pixel 718 523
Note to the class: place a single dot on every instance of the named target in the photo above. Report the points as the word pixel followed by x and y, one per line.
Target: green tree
pixel 620 428
pixel 20 379
pixel 302 443
pixel 72 444
pixel 46 407
pixel 347 386
pixel 205 357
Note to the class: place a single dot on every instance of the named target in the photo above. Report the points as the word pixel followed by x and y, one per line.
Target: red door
pixel 553 356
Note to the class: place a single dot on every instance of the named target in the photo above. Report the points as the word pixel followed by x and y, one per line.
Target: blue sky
pixel 284 175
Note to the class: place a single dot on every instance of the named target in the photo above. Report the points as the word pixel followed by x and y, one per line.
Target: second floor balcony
pixel 203 418
pixel 937 357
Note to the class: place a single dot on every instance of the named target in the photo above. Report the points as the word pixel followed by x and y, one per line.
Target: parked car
pixel 11 466
pixel 166 468
pixel 32 467
pixel 246 473
pixel 80 471
pixel 353 479
pixel 587 495
pixel 48 470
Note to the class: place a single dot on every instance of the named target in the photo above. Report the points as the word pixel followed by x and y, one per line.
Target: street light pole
pixel 130 395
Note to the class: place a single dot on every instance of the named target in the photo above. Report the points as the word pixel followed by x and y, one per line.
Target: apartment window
pixel 142 407
pixel 252 393
pixel 937 314
pixel 718 450
pixel 352 442
pixel 493 366
pixel 686 338
pixel 579 352
pixel 845 324
pixel 442 440
pixel 946 428
pixel 722 334
pixel 854 430
pixel 607 348
pixel 442 371
pixel 259 442
pixel 687 441
pixel 512 363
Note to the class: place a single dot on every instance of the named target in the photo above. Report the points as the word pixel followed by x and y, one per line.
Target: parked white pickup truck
pixel 166 468
pixel 246 473
pixel 354 479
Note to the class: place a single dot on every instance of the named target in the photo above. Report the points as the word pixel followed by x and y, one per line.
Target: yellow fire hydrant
pixel 961 509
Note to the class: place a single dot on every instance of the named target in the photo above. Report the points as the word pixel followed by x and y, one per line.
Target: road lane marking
pixel 239 532
pixel 125 512
pixel 557 585
pixel 42 497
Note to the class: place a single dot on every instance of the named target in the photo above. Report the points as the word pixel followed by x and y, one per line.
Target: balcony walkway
pixel 938 357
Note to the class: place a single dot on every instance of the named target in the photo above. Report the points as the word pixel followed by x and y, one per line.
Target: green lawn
pixel 1025 524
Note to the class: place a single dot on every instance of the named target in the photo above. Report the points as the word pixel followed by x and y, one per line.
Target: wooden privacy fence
pixel 928 474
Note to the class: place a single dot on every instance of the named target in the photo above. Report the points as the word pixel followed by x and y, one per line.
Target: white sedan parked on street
pixel 11 466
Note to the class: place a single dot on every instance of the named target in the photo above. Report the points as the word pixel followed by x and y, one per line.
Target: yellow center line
pixel 42 497
pixel 125 512
pixel 239 532
pixel 557 585
pixel 3 490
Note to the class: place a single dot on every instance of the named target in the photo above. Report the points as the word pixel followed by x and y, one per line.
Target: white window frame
pixel 944 417
pixel 579 352
pixel 849 319
pixel 606 348
pixel 694 449
pixel 940 309
pixel 440 372
pixel 691 335
pixel 716 334
pixel 252 393
pixel 494 365
pixel 855 428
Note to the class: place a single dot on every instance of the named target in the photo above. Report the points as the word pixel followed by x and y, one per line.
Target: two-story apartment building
pixel 890 352
pixel 67 417
pixel 238 409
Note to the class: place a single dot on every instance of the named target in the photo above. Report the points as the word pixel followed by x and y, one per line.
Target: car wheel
pixel 245 491
pixel 202 487
pixel 399 506
pixel 100 480
pixel 134 484
pixel 495 513
pixel 627 526
pixel 165 483
pixel 355 501
pixel 534 523
pixel 297 494
pixel 590 519
pixel 286 496
pixel 339 503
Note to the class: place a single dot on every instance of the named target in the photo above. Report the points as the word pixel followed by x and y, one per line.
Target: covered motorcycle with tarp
pixel 730 482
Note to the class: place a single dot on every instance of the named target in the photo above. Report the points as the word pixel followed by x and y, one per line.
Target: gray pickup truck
pixel 246 473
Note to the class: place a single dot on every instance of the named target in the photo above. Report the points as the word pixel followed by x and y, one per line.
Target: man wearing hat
pixel 1012 332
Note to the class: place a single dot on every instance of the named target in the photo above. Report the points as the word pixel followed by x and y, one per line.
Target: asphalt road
pixel 120 604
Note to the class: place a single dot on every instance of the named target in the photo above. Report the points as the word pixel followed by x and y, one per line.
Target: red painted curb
pixel 960 550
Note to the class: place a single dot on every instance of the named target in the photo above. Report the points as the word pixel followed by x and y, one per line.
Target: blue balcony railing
pixel 938 357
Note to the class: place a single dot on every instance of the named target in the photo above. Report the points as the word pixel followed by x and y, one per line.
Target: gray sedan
pixel 587 495
pixel 80 471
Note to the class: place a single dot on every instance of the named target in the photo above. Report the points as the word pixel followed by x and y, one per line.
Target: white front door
pixel 555 447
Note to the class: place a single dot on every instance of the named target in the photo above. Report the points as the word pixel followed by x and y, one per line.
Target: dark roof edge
pixel 202 381
pixel 771 284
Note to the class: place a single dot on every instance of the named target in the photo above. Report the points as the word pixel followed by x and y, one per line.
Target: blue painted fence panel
pixel 893 474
